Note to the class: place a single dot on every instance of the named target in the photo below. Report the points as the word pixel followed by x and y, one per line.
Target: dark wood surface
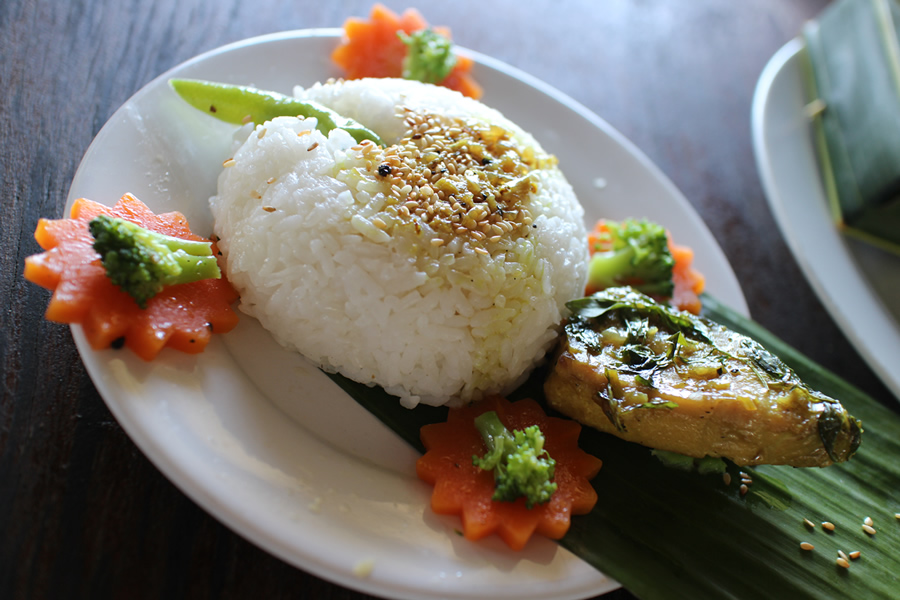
pixel 83 514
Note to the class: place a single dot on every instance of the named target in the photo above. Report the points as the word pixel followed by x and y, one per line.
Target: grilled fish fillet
pixel 673 381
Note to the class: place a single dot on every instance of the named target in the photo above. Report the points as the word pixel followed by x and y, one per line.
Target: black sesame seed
pixel 212 108
pixel 384 169
pixel 118 343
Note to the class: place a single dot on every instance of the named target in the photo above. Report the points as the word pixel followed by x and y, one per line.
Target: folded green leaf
pixel 852 65
pixel 668 533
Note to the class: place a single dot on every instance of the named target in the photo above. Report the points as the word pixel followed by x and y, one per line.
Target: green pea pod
pixel 235 103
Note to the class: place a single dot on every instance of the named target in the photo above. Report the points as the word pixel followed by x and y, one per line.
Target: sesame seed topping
pixel 855 554
pixel 827 526
pixel 437 242
pixel 256 194
pixel 809 523
pixel 868 529
pixel 744 489
pixel 459 177
pixel 868 521
pixel 229 162
pixel 313 147
pixel 726 477
pixel 806 546
pixel 842 562
pixel 843 555
pixel 246 119
pixel 271 180
pixel 269 208
pixel 262 133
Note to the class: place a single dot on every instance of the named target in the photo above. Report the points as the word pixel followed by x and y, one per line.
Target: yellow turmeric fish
pixel 673 381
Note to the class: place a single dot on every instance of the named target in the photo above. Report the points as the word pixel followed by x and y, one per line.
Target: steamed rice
pixel 339 257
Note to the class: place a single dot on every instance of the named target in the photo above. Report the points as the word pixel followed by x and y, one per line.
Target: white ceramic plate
pixel 858 284
pixel 265 442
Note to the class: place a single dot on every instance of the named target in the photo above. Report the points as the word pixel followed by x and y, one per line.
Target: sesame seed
pixel 868 529
pixel 868 521
pixel 246 119
pixel 726 477
pixel 809 523
pixel 377 222
pixel 269 208
pixel 313 147
pixel 842 562
pixel 855 554
pixel 843 555
pixel 271 180
pixel 255 194
pixel 262 132
pixel 480 250
pixel 437 242
pixel 229 162
pixel 806 546
pixel 828 526
pixel 744 489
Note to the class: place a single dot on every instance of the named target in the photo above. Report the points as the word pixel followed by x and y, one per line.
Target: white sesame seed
pixel 271 180
pixel 261 133
pixel 437 242
pixel 868 521
pixel 744 489
pixel 269 208
pixel 868 529
pixel 842 562
pixel 828 526
pixel 726 477
pixel 843 555
pixel 855 554
pixel 246 119
pixel 806 546
pixel 229 162
pixel 480 250
pixel 809 523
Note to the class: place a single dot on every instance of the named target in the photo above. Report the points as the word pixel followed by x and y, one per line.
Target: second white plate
pixel 858 284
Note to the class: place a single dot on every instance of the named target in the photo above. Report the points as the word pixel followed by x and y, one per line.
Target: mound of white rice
pixel 437 267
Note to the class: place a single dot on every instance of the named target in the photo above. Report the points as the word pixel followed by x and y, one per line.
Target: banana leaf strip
pixel 666 532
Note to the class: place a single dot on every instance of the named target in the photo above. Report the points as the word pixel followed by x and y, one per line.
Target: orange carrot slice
pixel 182 317
pixel 461 488
pixel 372 48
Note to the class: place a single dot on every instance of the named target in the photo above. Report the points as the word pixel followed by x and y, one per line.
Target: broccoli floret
pixel 521 465
pixel 635 253
pixel 143 262
pixel 429 56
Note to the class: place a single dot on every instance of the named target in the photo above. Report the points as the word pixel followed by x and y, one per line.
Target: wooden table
pixel 83 513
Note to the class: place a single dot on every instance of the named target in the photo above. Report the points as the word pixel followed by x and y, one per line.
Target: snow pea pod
pixel 237 103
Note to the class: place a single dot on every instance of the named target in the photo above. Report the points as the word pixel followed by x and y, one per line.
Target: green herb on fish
pixel 241 104
pixel 625 356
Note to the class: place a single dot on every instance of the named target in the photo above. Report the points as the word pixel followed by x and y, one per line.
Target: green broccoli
pixel 429 57
pixel 521 465
pixel 638 255
pixel 142 262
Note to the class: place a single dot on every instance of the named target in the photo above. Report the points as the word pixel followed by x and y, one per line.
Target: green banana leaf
pixel 669 533
pixel 852 72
